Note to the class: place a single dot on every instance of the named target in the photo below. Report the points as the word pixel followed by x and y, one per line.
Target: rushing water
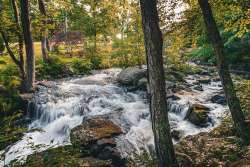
pixel 66 103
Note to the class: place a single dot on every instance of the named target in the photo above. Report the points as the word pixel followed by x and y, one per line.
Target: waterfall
pixel 58 109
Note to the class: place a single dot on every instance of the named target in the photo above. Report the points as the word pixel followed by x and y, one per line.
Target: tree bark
pixel 44 39
pixel 20 42
pixel 29 48
pixel 223 69
pixel 157 93
pixel 19 61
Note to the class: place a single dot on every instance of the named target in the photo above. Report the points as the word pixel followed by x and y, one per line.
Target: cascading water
pixel 67 103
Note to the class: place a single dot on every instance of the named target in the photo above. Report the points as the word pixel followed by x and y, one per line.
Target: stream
pixel 66 103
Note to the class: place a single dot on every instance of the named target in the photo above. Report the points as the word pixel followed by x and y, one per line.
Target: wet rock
pixel 219 99
pixel 198 87
pixel 131 76
pixel 216 79
pixel 106 142
pixel 97 136
pixel 169 84
pixel 142 83
pixel 27 105
pixel 27 96
pixel 174 76
pixel 179 87
pixel 204 72
pixel 93 130
pixel 205 80
pixel 173 97
pixel 66 156
pixel 177 134
pixel 47 84
pixel 198 115
pixel 87 81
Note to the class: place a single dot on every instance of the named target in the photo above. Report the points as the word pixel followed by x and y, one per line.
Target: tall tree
pixel 18 60
pixel 29 48
pixel 157 93
pixel 222 65
pixel 44 33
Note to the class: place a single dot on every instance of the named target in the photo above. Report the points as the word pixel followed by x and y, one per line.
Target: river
pixel 66 103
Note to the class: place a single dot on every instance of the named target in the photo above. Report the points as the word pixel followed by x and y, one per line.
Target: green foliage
pixel 81 66
pixel 142 159
pixel 204 53
pixel 9 77
pixel 58 157
pixel 54 68
pixel 10 132
pixel 10 109
pixel 243 92
pixel 233 21
pixel 236 48
pixel 2 47
pixel 95 62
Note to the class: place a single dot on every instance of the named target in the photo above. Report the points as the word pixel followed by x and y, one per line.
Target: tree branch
pixel 6 42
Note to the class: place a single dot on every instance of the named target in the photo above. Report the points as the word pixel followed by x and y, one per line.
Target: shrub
pixel 243 91
pixel 54 68
pixel 95 62
pixel 10 110
pixel 81 66
pixel 9 76
pixel 2 47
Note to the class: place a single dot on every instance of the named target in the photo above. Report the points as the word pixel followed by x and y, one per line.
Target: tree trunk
pixel 20 43
pixel 223 69
pixel 157 93
pixel 29 48
pixel 44 39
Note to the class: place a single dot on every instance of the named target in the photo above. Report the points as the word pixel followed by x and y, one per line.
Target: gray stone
pixel 131 76
pixel 198 115
pixel 219 99
pixel 198 87
pixel 93 130
pixel 142 83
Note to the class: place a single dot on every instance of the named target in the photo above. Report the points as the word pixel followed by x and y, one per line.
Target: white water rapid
pixel 63 106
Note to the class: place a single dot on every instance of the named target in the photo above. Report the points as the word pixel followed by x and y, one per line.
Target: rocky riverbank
pixel 112 120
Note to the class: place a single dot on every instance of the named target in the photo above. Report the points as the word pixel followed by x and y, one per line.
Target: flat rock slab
pixel 94 129
pixel 130 76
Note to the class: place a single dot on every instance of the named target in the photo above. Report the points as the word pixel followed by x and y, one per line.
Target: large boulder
pixel 174 76
pixel 131 76
pixel 198 115
pixel 97 136
pixel 93 130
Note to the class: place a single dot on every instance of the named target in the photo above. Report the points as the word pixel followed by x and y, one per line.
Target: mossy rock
pixel 93 130
pixel 66 156
pixel 205 80
pixel 198 115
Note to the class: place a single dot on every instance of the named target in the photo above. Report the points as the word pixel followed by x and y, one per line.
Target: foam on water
pixel 67 103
